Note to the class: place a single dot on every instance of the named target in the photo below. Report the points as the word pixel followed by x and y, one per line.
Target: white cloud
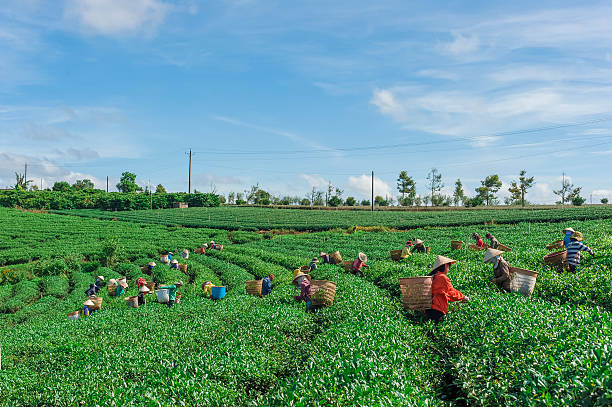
pixel 462 44
pixel 602 193
pixel 316 181
pixel 362 186
pixel 115 17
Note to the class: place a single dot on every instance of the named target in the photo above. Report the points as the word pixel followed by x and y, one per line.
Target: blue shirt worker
pixel 95 287
pixel 573 251
pixel 313 264
pixel 567 238
pixel 266 285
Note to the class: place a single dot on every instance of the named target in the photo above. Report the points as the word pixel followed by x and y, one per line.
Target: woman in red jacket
pixel 442 290
pixel 478 240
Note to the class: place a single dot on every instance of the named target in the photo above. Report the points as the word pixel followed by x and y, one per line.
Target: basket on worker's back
pixel 254 287
pixel 74 315
pixel 151 286
pixel 396 255
pixel 183 267
pixel 305 269
pixel 112 290
pixel 478 248
pixel 522 281
pixel 132 301
pixel 556 260
pixel 504 248
pixel 335 257
pixel 558 244
pixel 348 266
pixel 323 293
pixel 163 295
pixel 164 258
pixel 456 244
pixel 416 293
pixel 97 303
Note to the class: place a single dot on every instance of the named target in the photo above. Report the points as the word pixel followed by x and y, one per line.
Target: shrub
pixel 131 271
pixel 55 267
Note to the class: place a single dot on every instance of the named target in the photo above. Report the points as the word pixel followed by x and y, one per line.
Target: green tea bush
pixel 131 271
pixel 24 293
pixel 162 274
pixel 54 267
pixel 56 286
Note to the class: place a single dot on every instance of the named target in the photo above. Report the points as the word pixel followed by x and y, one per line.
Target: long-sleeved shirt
pixel 119 291
pixel 442 292
pixel 479 242
pixel 140 282
pixel 419 248
pixel 358 264
pixel 312 265
pixel 266 286
pixel 406 251
pixel 502 274
pixel 494 242
pixel 573 252
pixel 567 240
pixel 93 288
pixel 171 291
pixel 304 291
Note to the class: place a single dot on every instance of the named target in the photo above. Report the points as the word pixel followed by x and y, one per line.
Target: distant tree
pixel 380 201
pixel 252 193
pixel 61 186
pixel 474 202
pixel 318 199
pixel 604 201
pixel 490 186
pixel 335 201
pixel 221 199
pixel 390 200
pixel 459 194
pixel 565 191
pixel 575 198
pixel 338 192
pixel 305 202
pixel 518 190
pixel 365 202
pixel 329 193
pixel 128 183
pixel 33 187
pixel 286 200
pixel 350 201
pixel 160 189
pixel 240 198
pixel 21 183
pixel 312 195
pixel 231 198
pixel 406 187
pixel 434 183
pixel 261 197
pixel 83 185
pixel 426 200
pixel 418 201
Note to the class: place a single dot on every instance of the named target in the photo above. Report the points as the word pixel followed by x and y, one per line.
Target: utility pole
pixel 189 191
pixel 41 184
pixel 563 189
pixel 107 184
pixel 25 177
pixel 151 194
pixel 372 191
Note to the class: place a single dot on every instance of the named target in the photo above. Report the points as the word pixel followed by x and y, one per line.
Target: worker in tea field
pixel 313 264
pixel 567 235
pixel 406 249
pixel 359 263
pixel 185 254
pixel 478 240
pixel 442 290
pixel 573 251
pixel 144 290
pixel 266 285
pixel 169 257
pixel 172 289
pixel 215 246
pixel 150 267
pixel 95 287
pixel 418 246
pixel 302 282
pixel 501 268
pixel 494 242
pixel 122 285
pixel 207 288
pixel 174 264
pixel 87 308
pixel 327 258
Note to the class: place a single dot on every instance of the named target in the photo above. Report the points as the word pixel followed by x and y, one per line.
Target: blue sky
pixel 292 95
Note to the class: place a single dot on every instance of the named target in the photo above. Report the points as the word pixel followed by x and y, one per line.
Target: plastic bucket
pixel 218 292
pixel 163 296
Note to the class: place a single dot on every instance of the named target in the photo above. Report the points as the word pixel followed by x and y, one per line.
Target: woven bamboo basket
pixel 557 260
pixel 254 287
pixel 305 269
pixel 151 286
pixel 322 292
pixel 164 258
pixel 183 267
pixel 112 290
pixel 74 315
pixel 396 255
pixel 348 266
pixel 132 301
pixel 558 244
pixel 97 303
pixel 416 292
pixel 336 258
pixel 456 244
pixel 523 281
pixel 504 248
pixel 476 248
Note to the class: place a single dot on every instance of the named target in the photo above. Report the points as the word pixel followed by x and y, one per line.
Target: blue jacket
pixel 266 286
pixel 567 240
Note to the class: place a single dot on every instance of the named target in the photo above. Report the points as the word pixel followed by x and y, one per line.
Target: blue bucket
pixel 218 292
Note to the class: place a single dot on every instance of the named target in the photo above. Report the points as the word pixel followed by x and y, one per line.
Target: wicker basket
pixel 456 244
pixel 112 290
pixel 504 248
pixel 178 298
pixel 151 286
pixel 335 257
pixel 132 301
pixel 183 267
pixel 523 281
pixel 475 247
pixel 74 315
pixel 557 260
pixel 428 249
pixel 348 266
pixel 164 258
pixel 322 292
pixel 305 269
pixel 396 255
pixel 558 244
pixel 416 293
pixel 254 287
pixel 97 303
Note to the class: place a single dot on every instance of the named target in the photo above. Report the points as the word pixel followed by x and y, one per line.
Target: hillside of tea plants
pixel 251 218
pixel 553 348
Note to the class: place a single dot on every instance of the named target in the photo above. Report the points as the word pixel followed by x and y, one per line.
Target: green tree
pixel 83 185
pixel 305 202
pixel 21 183
pixel 365 202
pixel 574 197
pixel 490 186
pixel 434 183
pixel 350 201
pixel 406 187
pixel 262 197
pixel 604 201
pixel 458 194
pixel 565 191
pixel 334 201
pixel 128 183
pixel 160 189
pixel 62 186
pixel 518 190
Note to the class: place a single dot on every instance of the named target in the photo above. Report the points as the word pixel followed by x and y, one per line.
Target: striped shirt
pixel 573 252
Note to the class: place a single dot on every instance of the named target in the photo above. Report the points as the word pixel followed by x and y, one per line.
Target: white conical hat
pixel 298 275
pixel 123 283
pixel 144 289
pixel 112 281
pixel 174 261
pixel 152 264
pixel 89 303
pixel 101 278
pixel 491 254
pixel 185 251
pixel 569 229
pixel 440 260
pixel 418 241
pixel 362 257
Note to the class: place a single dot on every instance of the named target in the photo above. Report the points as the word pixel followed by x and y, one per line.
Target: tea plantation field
pixel 551 349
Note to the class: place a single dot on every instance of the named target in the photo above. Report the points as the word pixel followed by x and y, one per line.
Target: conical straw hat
pixel 112 281
pixel 418 241
pixel 491 254
pixel 362 257
pixel 577 236
pixel 123 283
pixel 298 275
pixel 144 289
pixel 440 260
pixel 152 264
pixel 89 303
pixel 569 230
